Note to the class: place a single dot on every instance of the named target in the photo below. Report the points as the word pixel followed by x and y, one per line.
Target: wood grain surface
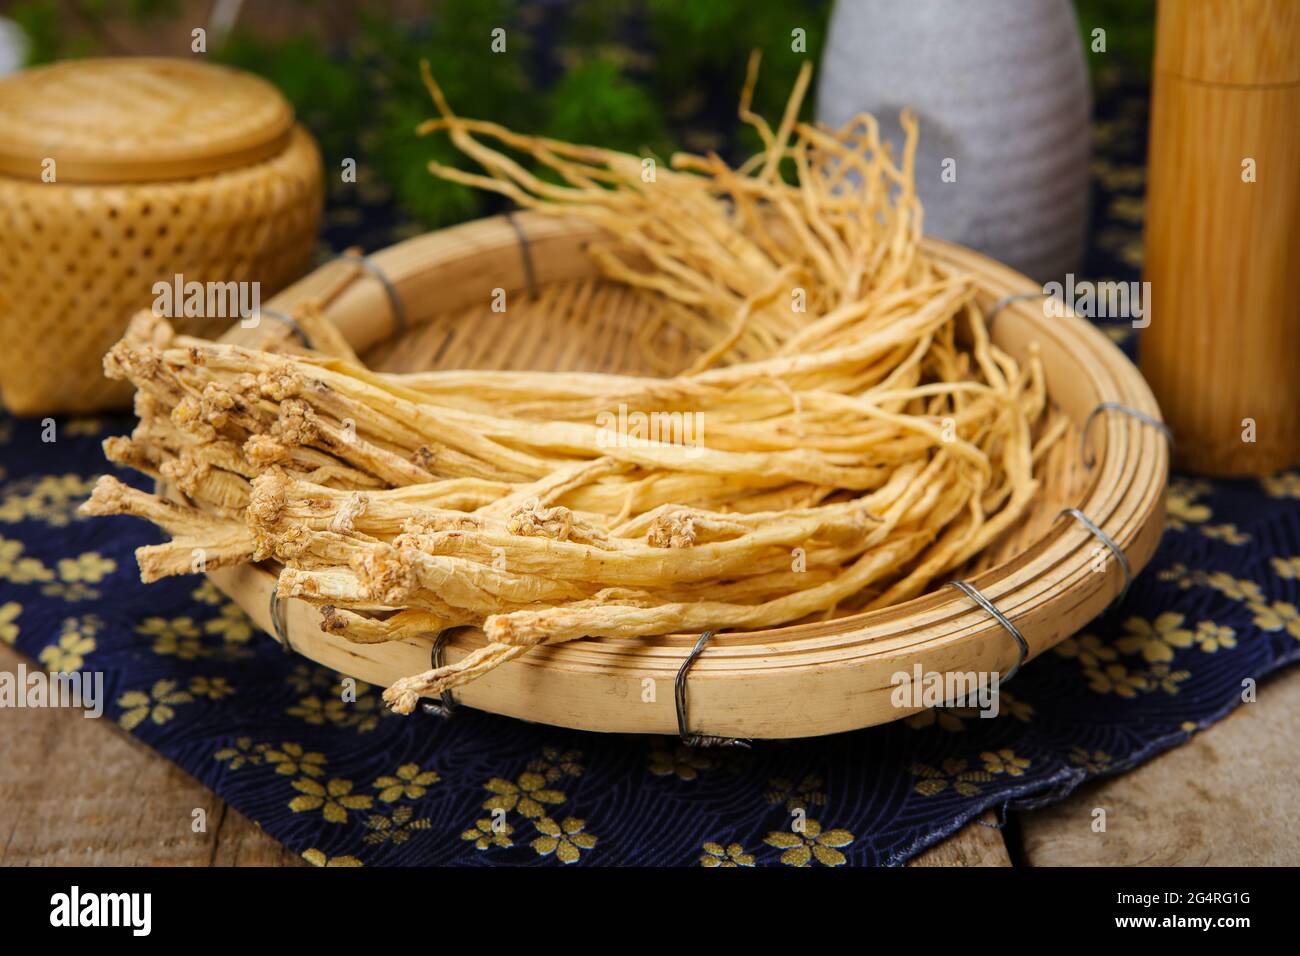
pixel 78 792
pixel 1227 798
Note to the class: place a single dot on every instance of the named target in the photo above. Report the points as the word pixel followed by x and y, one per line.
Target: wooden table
pixel 72 793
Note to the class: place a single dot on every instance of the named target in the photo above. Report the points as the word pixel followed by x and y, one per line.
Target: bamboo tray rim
pixel 1049 589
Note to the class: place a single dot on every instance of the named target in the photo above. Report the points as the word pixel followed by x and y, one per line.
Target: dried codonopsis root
pixel 843 433
pixel 199 541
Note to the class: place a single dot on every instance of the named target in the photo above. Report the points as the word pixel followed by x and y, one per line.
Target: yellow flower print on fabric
pixel 675 759
pixel 307 677
pixel 213 688
pixel 177 637
pixel 409 782
pixel 396 829
pixel 1181 506
pixel 945 718
pixel 1165 678
pixel 1119 680
pixel 156 705
pixel 1211 637
pixel 715 855
pixel 52 499
pixel 90 567
pixel 76 575
pixel 232 624
pixel 244 752
pixel 805 794
pixel 333 799
pixel 555 764
pixel 566 840
pixel 1288 568
pixel 1088 649
pixel 1094 761
pixel 812 844
pixel 83 427
pixel 1155 640
pixel 529 795
pixel 360 712
pixel 75 642
pixel 317 858
pixel 1005 761
pixel 1283 485
pixel 953 772
pixel 1239 589
pixel 1116 679
pixel 208 593
pixel 9 612
pixel 1278 616
pixel 486 835
pixel 1227 533
pixel 292 759
pixel 1128 208
pixel 1178 573
pixel 17 569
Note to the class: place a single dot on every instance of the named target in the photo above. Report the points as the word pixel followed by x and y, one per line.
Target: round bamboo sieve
pixel 793 681
pixel 117 174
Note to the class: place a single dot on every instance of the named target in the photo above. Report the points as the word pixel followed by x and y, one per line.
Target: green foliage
pixel 1130 33
pixel 692 39
pixel 635 75
pixel 323 90
pixel 597 104
pixel 46 40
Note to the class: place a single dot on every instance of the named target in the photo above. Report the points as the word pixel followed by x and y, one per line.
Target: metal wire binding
pixel 974 594
pixel 525 253
pixel 446 706
pixel 278 623
pixel 679 692
pixel 284 318
pixel 1006 300
pixel 1127 410
pixel 1109 542
pixel 394 300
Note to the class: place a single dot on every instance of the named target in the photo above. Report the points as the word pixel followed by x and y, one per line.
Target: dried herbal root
pixel 859 446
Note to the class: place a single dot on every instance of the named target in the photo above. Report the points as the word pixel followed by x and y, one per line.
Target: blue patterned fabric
pixel 350 784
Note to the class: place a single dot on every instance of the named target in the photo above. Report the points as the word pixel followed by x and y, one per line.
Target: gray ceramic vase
pixel 1002 89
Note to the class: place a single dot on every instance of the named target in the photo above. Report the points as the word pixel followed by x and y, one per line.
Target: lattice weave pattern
pixel 79 260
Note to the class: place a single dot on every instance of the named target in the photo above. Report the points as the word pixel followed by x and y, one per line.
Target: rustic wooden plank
pixel 75 791
pixel 979 843
pixel 1226 798
pixel 241 842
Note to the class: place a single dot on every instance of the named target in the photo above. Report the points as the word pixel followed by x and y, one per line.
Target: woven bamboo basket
pixel 432 310
pixel 118 174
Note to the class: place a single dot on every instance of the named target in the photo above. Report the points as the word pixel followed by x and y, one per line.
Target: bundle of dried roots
pixel 864 436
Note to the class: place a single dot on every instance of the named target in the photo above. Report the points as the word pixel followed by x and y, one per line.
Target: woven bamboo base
pixel 801 680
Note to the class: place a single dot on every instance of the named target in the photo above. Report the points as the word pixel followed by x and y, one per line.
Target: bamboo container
pixel 1223 252
pixel 117 174
pixel 795 681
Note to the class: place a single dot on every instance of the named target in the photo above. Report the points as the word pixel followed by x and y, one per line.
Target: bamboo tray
pixel 793 681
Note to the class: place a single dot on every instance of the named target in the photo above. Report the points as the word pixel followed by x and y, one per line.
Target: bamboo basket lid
pixel 138 120
pixel 431 310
